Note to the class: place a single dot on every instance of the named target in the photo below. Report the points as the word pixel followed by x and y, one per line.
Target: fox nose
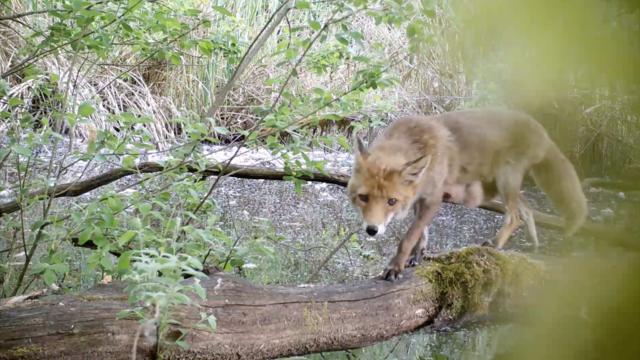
pixel 371 230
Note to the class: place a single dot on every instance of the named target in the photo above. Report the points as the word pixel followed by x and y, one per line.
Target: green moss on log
pixel 25 351
pixel 473 279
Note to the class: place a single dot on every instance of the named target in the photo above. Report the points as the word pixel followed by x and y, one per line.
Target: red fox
pixel 468 155
pixel 472 195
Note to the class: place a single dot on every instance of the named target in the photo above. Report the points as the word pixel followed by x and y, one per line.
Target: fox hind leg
pixel 509 181
pixel 527 216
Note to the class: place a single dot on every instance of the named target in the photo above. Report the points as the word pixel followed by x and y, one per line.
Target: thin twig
pixel 29 13
pixel 4 158
pixel 392 349
pixel 324 261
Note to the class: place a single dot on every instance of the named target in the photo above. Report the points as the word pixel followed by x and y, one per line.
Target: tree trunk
pixel 261 322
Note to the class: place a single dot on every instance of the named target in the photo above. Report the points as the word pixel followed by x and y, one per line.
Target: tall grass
pixel 597 127
pixel 126 81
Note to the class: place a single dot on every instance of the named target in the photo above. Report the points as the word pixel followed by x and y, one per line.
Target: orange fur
pixel 469 155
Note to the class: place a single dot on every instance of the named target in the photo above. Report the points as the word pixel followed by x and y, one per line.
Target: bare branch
pixel 258 42
pixel 28 13
pixel 77 188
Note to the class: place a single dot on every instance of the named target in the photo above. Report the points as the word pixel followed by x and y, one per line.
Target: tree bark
pixel 261 322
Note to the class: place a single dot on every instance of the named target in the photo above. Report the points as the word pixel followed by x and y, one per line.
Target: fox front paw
pixel 414 260
pixel 488 243
pixel 392 272
pixel 390 275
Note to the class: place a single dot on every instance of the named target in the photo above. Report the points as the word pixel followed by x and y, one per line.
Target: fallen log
pixel 262 322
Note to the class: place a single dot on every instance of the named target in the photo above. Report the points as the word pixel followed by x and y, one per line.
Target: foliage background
pixel 87 86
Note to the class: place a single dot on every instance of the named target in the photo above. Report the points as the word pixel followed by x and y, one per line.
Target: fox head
pixel 382 191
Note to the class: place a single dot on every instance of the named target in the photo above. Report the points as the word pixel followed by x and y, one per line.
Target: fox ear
pixel 414 169
pixel 361 150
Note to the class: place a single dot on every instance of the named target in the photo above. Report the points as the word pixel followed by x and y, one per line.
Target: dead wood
pixel 260 322
pixel 77 188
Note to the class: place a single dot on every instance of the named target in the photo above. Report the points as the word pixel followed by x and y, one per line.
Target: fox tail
pixel 558 179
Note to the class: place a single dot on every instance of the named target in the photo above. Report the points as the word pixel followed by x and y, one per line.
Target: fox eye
pixel 392 201
pixel 363 197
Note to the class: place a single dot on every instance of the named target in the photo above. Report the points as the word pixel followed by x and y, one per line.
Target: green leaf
pixel 126 27
pixel 98 237
pixel 129 162
pixel 49 277
pixel 199 290
pixel 222 10
pixel 14 102
pixel 108 218
pixel 124 262
pixel 290 53
pixel 303 4
pixel 193 12
pixel 60 268
pixel 183 344
pixel 105 262
pixel 344 143
pixel 221 130
pixel 85 235
pixel 205 47
pixel 126 237
pixel 175 59
pixel 356 35
pixel 213 324
pixel 22 150
pixel 361 58
pixel 315 25
pixel 72 121
pixel 4 88
pixel 342 40
pixel 144 208
pixel 181 299
pixel 411 31
pixel 92 260
pixel 133 314
pixel 39 268
pixel 298 185
pixel 85 109
pixel 115 204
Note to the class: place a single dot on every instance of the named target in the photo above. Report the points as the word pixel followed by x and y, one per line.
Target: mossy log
pixel 261 322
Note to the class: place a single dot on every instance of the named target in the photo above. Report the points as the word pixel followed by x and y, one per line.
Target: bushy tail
pixel 557 177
